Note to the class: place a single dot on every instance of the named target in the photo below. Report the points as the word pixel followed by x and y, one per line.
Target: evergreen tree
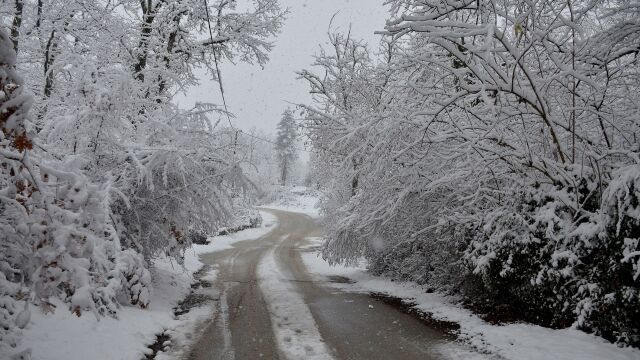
pixel 285 145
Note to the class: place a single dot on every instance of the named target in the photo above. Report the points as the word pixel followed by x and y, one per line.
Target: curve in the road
pixel 271 308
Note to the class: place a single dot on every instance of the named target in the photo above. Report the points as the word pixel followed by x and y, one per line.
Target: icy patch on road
pixel 295 329
pixel 511 341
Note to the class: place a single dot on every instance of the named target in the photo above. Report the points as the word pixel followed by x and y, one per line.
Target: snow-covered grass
pixel 63 336
pixel 512 341
pixel 224 242
pixel 297 199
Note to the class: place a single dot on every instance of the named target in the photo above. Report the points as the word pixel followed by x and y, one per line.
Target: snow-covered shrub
pixel 181 190
pixel 11 297
pixel 523 256
pixel 609 295
pixel 245 216
pixel 130 269
pixel 74 242
pixel 556 265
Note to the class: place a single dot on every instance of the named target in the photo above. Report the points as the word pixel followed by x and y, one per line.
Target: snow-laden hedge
pixel 559 266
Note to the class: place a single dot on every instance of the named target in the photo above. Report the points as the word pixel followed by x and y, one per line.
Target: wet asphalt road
pixel 242 329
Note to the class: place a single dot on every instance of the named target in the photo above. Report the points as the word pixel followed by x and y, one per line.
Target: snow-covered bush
pixel 556 266
pixel 136 285
pixel 610 294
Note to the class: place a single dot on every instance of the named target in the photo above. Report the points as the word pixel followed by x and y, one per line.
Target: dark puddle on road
pixel 193 300
pixel 337 279
pixel 448 328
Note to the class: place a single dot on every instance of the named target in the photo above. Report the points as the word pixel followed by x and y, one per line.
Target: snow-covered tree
pixel 104 93
pixel 481 147
pixel 106 173
pixel 260 160
pixel 58 240
pixel 286 140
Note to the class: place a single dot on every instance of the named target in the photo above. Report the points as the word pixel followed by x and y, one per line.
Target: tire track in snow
pixel 228 353
pixel 295 330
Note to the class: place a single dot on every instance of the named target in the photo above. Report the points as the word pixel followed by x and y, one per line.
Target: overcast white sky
pixel 258 96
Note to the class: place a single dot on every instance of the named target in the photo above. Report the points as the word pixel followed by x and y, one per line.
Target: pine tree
pixel 286 145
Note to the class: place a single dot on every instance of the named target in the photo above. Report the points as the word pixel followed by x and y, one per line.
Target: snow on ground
pixel 63 336
pixel 298 199
pixel 224 242
pixel 512 341
pixel 295 329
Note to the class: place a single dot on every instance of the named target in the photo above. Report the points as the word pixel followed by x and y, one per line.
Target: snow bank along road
pixel 270 308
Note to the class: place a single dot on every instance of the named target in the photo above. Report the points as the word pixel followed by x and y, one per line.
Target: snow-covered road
pixel 269 307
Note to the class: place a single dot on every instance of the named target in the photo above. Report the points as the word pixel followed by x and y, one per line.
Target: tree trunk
pixel 283 176
pixel 15 26
pixel 49 58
